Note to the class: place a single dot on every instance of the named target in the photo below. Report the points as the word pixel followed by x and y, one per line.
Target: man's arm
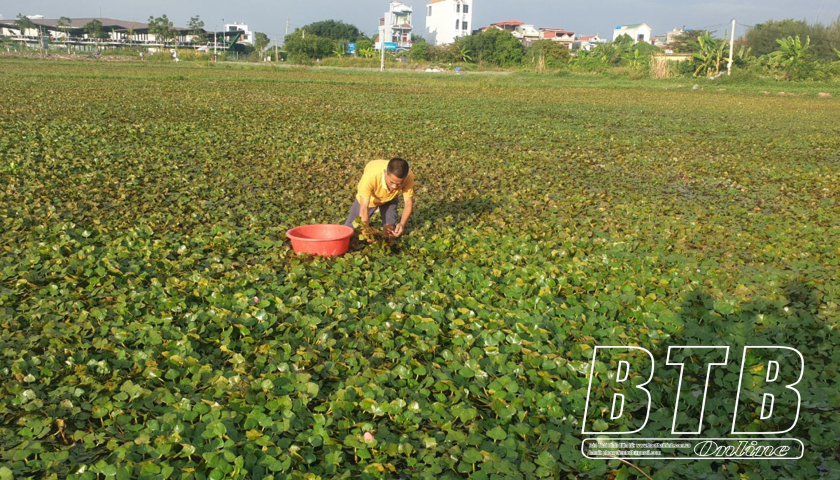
pixel 364 209
pixel 406 214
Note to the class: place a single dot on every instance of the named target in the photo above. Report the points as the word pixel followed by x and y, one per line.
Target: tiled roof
pixel 81 22
pixel 557 30
pixel 509 22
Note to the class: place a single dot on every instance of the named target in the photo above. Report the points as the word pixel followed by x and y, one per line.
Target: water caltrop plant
pixel 155 322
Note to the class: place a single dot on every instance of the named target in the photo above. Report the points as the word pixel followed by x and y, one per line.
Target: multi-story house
pixel 563 37
pixel 395 26
pixel 447 20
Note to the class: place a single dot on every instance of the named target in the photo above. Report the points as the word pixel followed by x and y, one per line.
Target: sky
pixel 585 18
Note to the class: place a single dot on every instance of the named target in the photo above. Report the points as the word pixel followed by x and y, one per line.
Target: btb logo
pixel 771 373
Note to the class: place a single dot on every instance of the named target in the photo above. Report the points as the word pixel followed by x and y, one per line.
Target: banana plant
pixel 711 55
pixel 608 53
pixel 634 58
pixel 463 54
pixel 793 50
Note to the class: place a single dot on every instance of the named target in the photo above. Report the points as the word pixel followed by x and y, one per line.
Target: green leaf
pixel 497 433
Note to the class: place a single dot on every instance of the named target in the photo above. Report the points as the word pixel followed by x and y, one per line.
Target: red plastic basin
pixel 325 239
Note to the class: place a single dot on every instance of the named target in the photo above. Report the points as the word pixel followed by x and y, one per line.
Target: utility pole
pixel 382 50
pixel 215 41
pixel 287 26
pixel 276 58
pixel 731 47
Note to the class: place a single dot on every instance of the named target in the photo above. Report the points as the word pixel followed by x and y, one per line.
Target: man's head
pixel 395 173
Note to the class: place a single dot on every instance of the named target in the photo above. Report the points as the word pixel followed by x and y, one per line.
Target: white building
pixel 247 35
pixel 447 20
pixel 395 26
pixel 639 32
pixel 526 34
pixel 588 42
pixel 673 34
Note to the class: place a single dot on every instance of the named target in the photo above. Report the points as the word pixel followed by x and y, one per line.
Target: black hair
pixel 398 168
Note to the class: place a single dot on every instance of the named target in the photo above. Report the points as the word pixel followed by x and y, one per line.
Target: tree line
pixel 787 49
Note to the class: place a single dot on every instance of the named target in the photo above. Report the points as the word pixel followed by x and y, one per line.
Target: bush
pixel 420 52
pixel 494 46
pixel 310 47
pixel 544 54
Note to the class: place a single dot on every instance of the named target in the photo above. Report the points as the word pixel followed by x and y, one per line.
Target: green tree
pixel 832 34
pixel 493 46
pixel 364 49
pixel 307 47
pixel 162 27
pixel 95 30
pixel 196 26
pixel 261 41
pixel 64 24
pixel 420 52
pixel 763 37
pixel 686 42
pixel 624 43
pixel 547 53
pixel 23 23
pixel 334 30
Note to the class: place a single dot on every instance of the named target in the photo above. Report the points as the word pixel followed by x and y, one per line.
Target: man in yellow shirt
pixel 379 188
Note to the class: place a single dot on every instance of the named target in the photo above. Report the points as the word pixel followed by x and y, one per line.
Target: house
pixel 673 34
pixel 245 33
pixel 447 20
pixel 588 42
pixel 563 37
pixel 508 26
pixel 639 32
pixel 395 26
pixel 525 33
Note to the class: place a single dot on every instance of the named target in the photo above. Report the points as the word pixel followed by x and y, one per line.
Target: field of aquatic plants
pixel 154 322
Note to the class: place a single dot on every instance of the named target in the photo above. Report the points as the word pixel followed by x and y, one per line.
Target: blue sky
pixel 586 18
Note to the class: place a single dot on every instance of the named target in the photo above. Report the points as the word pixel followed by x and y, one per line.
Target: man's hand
pixel 366 228
pixel 398 230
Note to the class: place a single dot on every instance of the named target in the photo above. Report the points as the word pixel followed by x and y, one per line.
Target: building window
pixel 640 37
pixel 457 24
pixel 457 8
pixel 430 11
pixel 465 25
pixel 466 8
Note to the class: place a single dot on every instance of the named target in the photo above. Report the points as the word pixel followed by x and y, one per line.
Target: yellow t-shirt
pixel 373 184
